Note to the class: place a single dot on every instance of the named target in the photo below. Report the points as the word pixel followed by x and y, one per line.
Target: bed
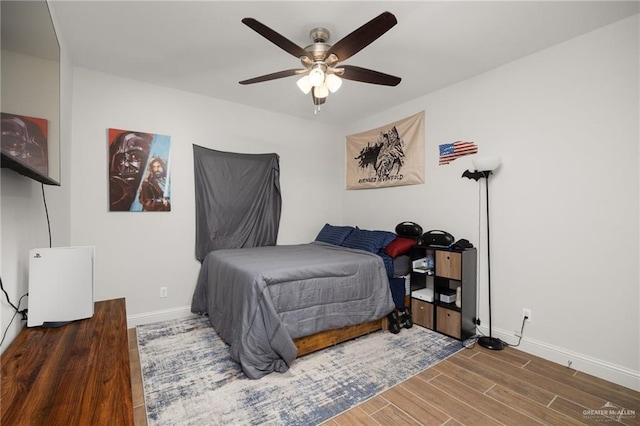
pixel 264 302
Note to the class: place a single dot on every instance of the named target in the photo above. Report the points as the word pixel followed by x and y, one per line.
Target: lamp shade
pixel 316 76
pixel 333 82
pixel 486 164
pixel 304 84
pixel 321 91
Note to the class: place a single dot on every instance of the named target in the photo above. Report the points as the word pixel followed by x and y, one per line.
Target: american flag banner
pixel 451 151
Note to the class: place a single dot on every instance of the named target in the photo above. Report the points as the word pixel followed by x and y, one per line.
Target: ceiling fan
pixel 321 73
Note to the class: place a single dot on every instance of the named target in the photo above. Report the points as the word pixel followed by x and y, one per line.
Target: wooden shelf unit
pixel 448 269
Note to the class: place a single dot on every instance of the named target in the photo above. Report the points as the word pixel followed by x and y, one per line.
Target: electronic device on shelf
pixel 60 285
pixel 448 295
pixel 462 244
pixel 409 229
pixel 424 294
pixel 437 238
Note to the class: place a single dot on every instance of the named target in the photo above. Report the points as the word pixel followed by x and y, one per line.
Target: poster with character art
pixel 139 171
pixel 24 140
pixel 390 155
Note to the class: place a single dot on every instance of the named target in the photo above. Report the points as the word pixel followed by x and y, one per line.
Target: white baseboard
pixel 157 316
pixel 596 367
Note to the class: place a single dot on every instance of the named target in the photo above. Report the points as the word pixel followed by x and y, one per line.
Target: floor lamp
pixel 483 169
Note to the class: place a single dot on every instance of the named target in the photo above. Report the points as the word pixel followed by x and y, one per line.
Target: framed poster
pixel 139 171
pixel 24 141
pixel 390 155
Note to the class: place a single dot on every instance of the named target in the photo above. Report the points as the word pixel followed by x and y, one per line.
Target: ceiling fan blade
pixel 273 76
pixel 275 38
pixel 363 36
pixel 368 76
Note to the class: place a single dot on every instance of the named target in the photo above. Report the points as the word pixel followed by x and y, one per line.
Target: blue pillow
pixel 372 241
pixel 334 234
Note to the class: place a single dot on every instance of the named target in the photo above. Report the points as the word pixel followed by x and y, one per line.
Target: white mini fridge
pixel 60 285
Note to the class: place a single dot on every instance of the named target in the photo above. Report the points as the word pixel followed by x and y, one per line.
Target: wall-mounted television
pixel 30 92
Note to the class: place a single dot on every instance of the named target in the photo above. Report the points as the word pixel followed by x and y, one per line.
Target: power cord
pixel 524 319
pixel 7 296
pixel 17 310
pixel 471 341
pixel 46 211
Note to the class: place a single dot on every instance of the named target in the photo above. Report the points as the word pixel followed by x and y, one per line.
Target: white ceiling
pixel 202 46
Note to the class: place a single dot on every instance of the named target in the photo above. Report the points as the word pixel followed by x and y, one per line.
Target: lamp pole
pixel 489 342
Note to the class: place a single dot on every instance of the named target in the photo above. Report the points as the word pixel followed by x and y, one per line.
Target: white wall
pixel 564 204
pixel 23 220
pixel 137 253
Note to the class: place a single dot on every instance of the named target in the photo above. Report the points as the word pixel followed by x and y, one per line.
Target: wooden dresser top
pixel 77 374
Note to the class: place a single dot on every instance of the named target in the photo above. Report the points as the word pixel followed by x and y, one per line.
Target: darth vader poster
pixel 24 140
pixel 139 171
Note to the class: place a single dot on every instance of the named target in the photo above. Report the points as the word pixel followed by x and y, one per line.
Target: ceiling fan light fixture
pixel 316 76
pixel 321 61
pixel 304 84
pixel 321 91
pixel 333 82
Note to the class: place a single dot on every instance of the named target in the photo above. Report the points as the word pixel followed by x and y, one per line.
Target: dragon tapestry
pixel 390 155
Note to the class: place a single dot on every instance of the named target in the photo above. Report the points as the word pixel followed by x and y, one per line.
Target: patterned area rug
pixel 190 379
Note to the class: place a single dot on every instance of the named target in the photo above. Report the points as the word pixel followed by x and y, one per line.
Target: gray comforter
pixel 260 299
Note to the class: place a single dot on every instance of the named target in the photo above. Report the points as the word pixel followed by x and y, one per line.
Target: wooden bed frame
pixel 328 338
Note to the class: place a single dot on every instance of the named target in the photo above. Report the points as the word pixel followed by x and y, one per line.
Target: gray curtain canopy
pixel 238 202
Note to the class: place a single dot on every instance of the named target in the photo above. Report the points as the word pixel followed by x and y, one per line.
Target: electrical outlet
pixel 526 313
pixel 163 292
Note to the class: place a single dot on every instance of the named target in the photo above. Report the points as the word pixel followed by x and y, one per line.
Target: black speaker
pixel 437 238
pixel 409 229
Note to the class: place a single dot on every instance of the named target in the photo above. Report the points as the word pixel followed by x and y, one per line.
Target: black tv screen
pixel 30 77
pixel 25 146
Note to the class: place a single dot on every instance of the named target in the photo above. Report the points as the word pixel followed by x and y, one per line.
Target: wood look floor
pixel 477 387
